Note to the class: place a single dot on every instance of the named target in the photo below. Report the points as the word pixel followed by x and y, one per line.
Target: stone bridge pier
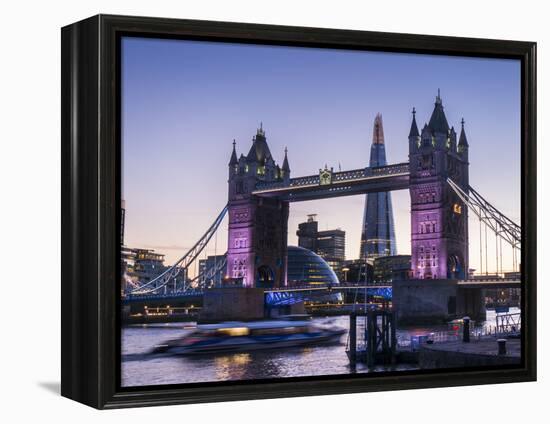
pixel 428 302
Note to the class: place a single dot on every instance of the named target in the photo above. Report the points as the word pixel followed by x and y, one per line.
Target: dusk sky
pixel 184 102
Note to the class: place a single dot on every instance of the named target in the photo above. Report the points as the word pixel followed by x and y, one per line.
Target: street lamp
pixel 345 269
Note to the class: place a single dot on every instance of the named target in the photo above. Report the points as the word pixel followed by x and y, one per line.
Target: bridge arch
pixel 265 277
pixel 455 267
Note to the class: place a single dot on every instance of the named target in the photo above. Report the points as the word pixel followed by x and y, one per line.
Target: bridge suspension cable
pixel 182 263
pixel 490 218
pixel 211 272
pixel 202 278
pixel 488 214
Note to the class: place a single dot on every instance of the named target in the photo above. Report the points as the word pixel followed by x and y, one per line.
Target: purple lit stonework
pixel 257 241
pixel 439 220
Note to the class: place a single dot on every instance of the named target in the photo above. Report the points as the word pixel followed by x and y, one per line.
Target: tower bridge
pixel 437 176
pixel 260 192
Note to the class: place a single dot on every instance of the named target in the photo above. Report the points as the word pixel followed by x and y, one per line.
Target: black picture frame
pixel 91 154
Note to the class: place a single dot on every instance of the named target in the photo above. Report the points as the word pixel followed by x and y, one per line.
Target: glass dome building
pixel 307 268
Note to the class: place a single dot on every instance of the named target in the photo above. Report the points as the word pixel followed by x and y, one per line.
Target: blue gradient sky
pixel 184 102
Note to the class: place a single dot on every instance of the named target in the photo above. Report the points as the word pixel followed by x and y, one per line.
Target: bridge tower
pixel 258 227
pixel 439 219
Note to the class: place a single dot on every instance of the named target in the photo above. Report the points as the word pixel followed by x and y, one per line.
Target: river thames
pixel 140 368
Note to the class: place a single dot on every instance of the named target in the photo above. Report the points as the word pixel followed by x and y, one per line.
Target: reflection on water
pixel 138 368
pixel 232 367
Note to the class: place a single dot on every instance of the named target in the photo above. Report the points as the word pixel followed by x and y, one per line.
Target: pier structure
pixel 378 343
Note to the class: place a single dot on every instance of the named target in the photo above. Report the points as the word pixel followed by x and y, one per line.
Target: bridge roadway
pixel 337 287
pixel 186 295
pixel 503 283
pixel 198 293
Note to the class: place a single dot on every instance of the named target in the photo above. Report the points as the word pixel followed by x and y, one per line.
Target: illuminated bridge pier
pixel 439 301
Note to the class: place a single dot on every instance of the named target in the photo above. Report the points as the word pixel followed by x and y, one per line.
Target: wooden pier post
pixel 466 329
pixel 352 338
pixel 393 338
pixel 372 325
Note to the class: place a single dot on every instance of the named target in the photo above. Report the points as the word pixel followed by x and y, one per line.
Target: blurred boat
pixel 247 336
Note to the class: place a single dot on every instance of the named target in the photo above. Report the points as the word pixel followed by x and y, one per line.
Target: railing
pixel 341 286
pixel 494 276
pixel 508 323
pixel 148 296
pixel 476 334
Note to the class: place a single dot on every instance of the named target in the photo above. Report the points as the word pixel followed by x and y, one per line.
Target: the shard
pixel 378 233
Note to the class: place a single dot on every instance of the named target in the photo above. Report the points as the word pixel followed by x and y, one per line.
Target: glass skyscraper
pixel 378 233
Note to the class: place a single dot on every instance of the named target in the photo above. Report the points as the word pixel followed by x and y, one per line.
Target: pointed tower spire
pixel 462 141
pixel 233 160
pixel 259 150
pixel 378 130
pixel 261 132
pixel 438 121
pixel 286 167
pixel 414 128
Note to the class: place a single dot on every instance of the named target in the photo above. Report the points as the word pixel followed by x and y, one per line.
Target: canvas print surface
pixel 302 212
